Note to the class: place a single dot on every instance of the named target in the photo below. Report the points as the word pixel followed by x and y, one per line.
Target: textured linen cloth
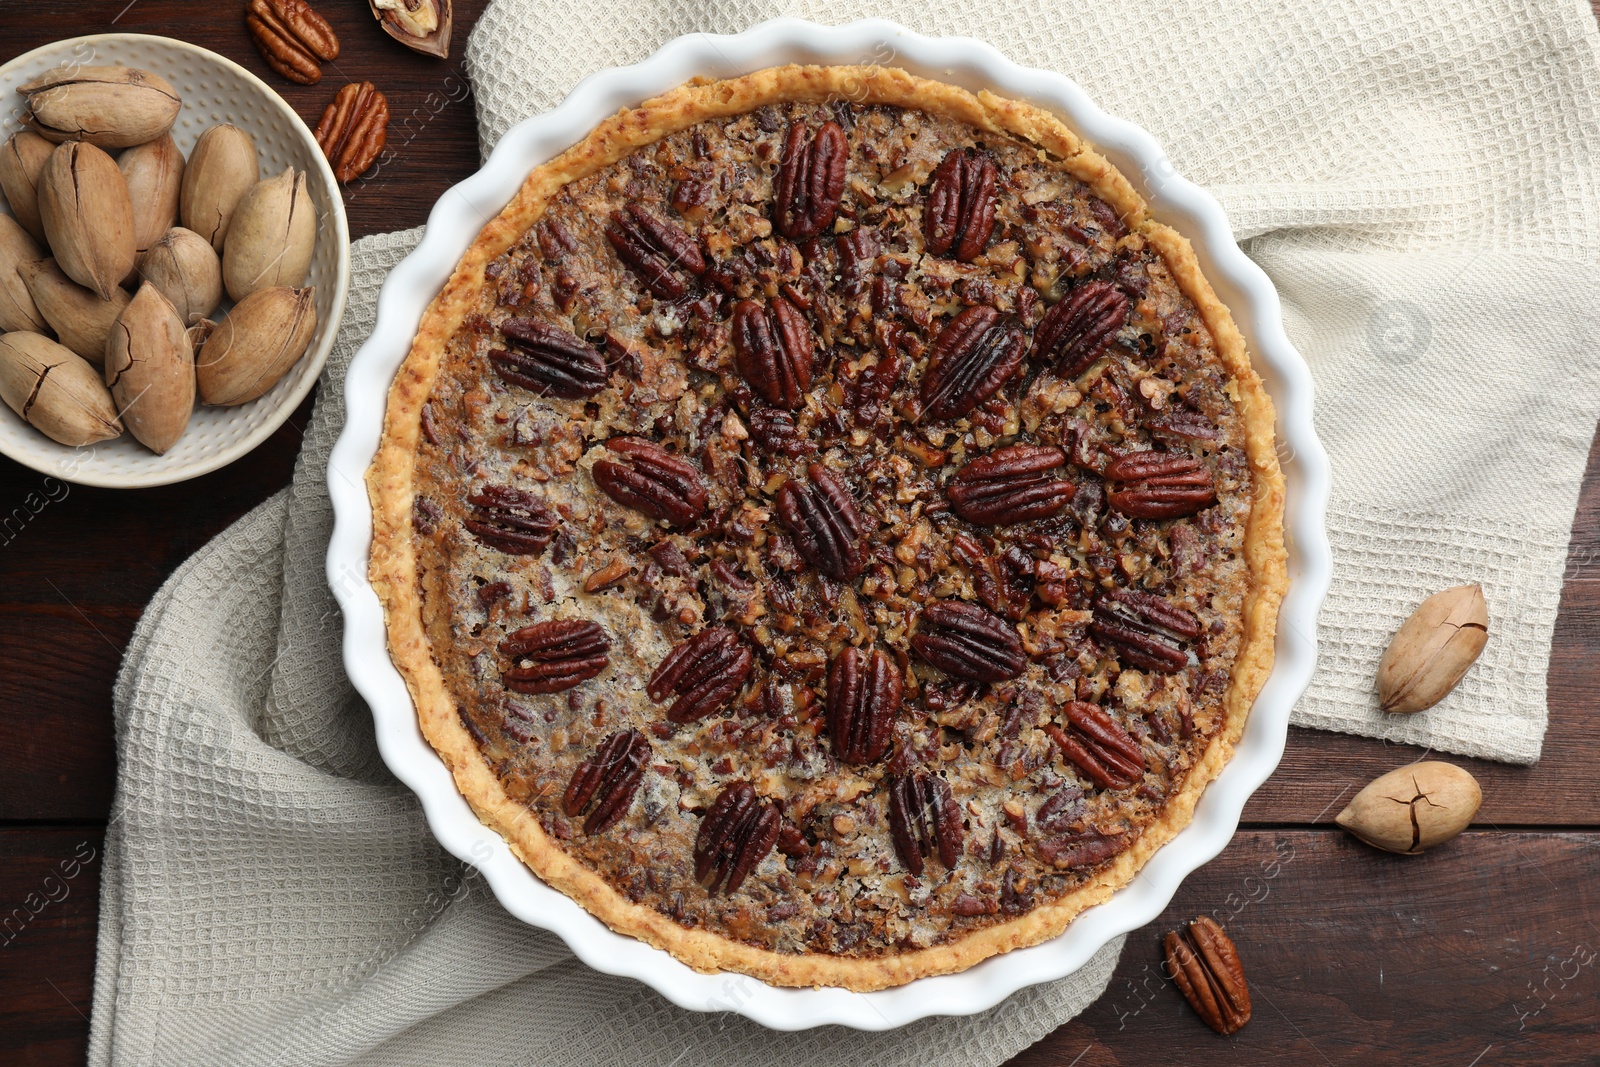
pixel 1418 179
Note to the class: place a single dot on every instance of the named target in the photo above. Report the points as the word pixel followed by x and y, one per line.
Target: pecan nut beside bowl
pixel 1205 965
pixel 353 130
pixel 292 38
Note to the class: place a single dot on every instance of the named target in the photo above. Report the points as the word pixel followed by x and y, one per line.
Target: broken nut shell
pixel 1413 809
pixel 1433 649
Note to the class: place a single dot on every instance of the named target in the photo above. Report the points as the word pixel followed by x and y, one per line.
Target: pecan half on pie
pixel 828 528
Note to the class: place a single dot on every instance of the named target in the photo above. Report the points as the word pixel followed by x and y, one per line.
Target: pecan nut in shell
pixel 735 836
pixel 651 480
pixel 1205 966
pixel 554 655
pixel 353 129
pixel 292 38
pixel 864 694
pixel 1010 485
pixel 704 673
pixel 608 779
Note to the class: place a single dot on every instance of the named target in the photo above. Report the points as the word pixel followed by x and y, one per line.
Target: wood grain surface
pixel 1484 952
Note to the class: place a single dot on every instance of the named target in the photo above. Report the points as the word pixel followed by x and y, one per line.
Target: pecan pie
pixel 828 528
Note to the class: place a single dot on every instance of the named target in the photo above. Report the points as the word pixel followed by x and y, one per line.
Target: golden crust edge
pixel 393 562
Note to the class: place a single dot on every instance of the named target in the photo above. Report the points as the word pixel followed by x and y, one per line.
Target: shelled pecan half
pixel 608 779
pixel 1010 485
pixel 974 355
pixel 353 129
pixel 864 694
pixel 968 642
pixel 704 673
pixel 1106 753
pixel 649 479
pixel 924 820
pixel 1158 485
pixel 959 217
pixel 774 430
pixel 1205 966
pixel 825 523
pixel 1144 630
pixel 660 252
pixel 548 360
pixel 554 655
pixel 1082 848
pixel 772 348
pixel 1075 331
pixel 735 836
pixel 511 520
pixel 292 38
pixel 810 180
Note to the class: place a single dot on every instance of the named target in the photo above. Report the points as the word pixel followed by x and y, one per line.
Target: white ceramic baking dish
pixel 456 219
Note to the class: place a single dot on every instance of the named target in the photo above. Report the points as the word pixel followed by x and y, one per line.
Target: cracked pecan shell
pixel 1074 332
pixel 651 480
pixel 864 694
pixel 974 355
pixel 1144 630
pixel 608 779
pixel 825 523
pixel 810 180
pixel 1106 753
pixel 548 360
pixel 1158 485
pixel 924 820
pixel 513 521
pixel 735 836
pixel 1010 485
pixel 554 655
pixel 968 642
pixel 1205 966
pixel 704 673
pixel 661 254
pixel 773 350
pixel 959 217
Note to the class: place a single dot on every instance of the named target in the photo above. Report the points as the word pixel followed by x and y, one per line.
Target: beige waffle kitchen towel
pixel 1419 180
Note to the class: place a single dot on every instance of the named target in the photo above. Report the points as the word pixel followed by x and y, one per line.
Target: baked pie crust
pixel 1058 646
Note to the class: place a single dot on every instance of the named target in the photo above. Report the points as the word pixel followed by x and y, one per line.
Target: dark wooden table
pixel 1485 952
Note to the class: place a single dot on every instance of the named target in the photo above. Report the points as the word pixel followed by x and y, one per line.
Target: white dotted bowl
pixel 214 90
